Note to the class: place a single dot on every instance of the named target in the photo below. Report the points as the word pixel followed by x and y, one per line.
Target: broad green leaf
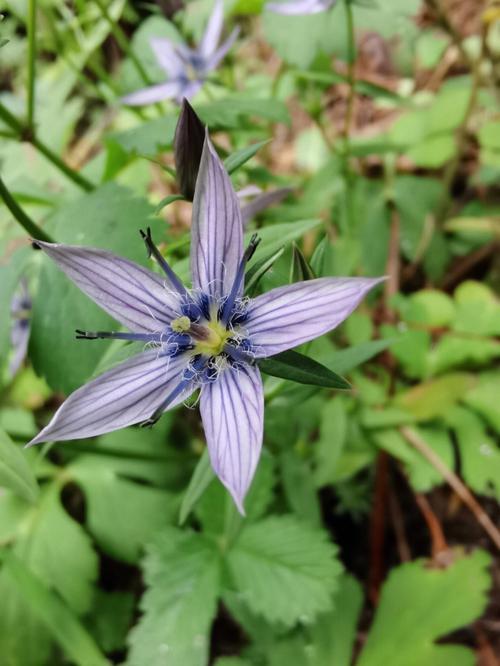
pixel 182 576
pixel 430 399
pixel 110 619
pixel 299 368
pixel 433 152
pixel 429 307
pixel 57 549
pixel 108 218
pixel 478 309
pixel 332 637
pixel 299 488
pixel 240 157
pixel 419 604
pixel 285 571
pixel 15 471
pixel 332 440
pixel 455 351
pixel 53 613
pixel 483 398
pixel 232 111
pixel 122 515
pixel 345 360
pixel 148 138
pixel 479 452
pixel 423 476
pixel 203 476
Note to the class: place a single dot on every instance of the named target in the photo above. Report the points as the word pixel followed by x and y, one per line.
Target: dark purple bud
pixel 188 146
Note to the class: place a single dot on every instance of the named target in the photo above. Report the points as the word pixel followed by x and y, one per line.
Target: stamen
pixel 117 335
pixel 155 252
pixel 238 355
pixel 228 306
pixel 162 407
pixel 181 324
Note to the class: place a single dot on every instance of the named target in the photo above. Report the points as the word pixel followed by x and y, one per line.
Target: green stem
pixel 351 80
pixel 26 134
pixel 24 220
pixel 123 41
pixel 31 62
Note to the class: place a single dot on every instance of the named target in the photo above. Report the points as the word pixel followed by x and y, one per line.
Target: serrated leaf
pixel 53 613
pixel 420 604
pixel 182 576
pixel 432 398
pixel 284 570
pixel 299 368
pixel 240 157
pixel 15 472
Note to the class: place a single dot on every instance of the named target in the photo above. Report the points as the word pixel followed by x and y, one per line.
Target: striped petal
pixel 232 409
pixel 300 7
pixel 153 94
pixel 167 57
pixel 127 394
pixel 289 316
pixel 133 295
pixel 213 30
pixel 217 229
pixel 220 53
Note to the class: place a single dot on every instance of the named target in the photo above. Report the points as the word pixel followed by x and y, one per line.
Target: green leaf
pixel 479 452
pixel 182 576
pixel 148 138
pixel 273 238
pixel 240 157
pixel 419 604
pixel 346 360
pixel 484 398
pixel 302 369
pixel 284 570
pixel 122 515
pixel 260 268
pixel 110 618
pixel 202 477
pixel 53 613
pixel 430 399
pixel 299 488
pixel 231 112
pixel 15 472
pixel 108 218
pixel 332 637
pixel 168 200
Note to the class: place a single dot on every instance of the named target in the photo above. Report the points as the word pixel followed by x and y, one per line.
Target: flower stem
pixel 24 220
pixel 25 133
pixel 351 81
pixel 31 62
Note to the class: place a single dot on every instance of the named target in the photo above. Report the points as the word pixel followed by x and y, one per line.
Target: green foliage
pixel 15 472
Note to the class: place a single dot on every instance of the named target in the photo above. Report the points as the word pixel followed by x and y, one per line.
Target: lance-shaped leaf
pixel 188 147
pixel 302 369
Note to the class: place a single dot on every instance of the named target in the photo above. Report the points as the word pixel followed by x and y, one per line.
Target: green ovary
pixel 213 345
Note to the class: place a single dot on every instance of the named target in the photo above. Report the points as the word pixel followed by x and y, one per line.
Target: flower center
pixel 209 338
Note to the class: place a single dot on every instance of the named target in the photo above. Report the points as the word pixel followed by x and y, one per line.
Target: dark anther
pixel 86 335
pixel 36 245
pixel 252 246
pixel 146 237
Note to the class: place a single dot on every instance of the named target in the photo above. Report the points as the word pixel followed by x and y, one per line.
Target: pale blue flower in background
pixel 187 69
pixel 300 7
pixel 207 337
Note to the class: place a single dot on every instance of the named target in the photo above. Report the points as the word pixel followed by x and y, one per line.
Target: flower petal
pixel 232 409
pixel 133 295
pixel 167 57
pixel 152 94
pixel 217 229
pixel 220 53
pixel 213 30
pixel 286 317
pixel 300 7
pixel 127 394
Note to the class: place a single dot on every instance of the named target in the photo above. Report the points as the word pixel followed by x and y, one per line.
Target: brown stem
pixel 398 524
pixel 377 527
pixel 452 479
pixel 438 540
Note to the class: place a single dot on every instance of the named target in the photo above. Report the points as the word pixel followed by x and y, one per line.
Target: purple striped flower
pixel 300 7
pixel 186 69
pixel 206 337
